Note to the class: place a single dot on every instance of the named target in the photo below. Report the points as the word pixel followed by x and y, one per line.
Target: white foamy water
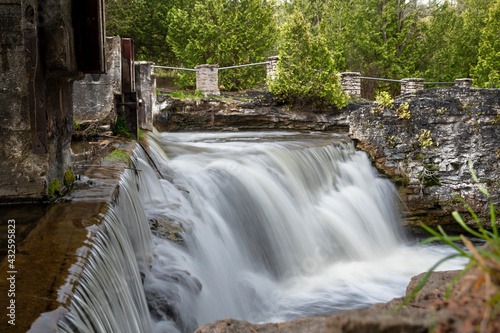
pixel 276 226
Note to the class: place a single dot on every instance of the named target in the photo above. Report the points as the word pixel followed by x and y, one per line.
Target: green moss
pixel 69 178
pixel 54 189
pixel 118 155
pixel 180 94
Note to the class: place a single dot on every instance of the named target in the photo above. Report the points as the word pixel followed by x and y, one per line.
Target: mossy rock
pixel 69 178
pixel 54 189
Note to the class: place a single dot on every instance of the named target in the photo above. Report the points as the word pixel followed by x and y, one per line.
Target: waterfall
pixel 109 296
pixel 275 226
pixel 253 226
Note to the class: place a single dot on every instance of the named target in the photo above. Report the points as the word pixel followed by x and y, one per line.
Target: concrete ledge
pixel 58 244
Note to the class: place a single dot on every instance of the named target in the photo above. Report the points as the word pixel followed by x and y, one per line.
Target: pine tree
pixel 486 73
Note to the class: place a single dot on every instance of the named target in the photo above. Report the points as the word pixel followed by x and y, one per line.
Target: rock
pixel 429 310
pixel 302 325
pixel 255 111
pixel 462 126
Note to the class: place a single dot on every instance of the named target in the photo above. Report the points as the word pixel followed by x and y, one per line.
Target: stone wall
pixel 428 154
pixel 94 96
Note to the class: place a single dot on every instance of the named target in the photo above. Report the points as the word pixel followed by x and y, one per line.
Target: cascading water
pixel 109 296
pixel 262 226
pixel 276 226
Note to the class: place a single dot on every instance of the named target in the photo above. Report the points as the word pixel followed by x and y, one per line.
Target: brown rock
pixel 303 325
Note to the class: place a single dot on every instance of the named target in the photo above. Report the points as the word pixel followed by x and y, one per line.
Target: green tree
pixel 441 32
pixel 486 73
pixel 306 70
pixel 226 33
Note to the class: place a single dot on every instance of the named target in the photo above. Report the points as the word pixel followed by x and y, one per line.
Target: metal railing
pixel 220 68
pixel 246 65
pixel 380 79
pixel 439 82
pixel 180 68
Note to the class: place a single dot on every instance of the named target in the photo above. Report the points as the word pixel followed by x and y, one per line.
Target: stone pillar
pixel 207 79
pixel 94 96
pixel 271 67
pixel 463 83
pixel 145 85
pixel 351 83
pixel 412 85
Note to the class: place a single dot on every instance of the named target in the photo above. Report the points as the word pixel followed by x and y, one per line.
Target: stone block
pixel 412 85
pixel 207 79
pixel 94 96
pixel 464 83
pixel 146 89
pixel 351 83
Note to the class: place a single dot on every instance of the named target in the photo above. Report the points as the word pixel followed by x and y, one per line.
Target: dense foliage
pixel 223 32
pixel 437 40
pixel 306 70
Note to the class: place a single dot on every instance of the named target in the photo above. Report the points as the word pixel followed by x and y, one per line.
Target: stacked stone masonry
pixel 351 83
pixel 464 83
pixel 207 80
pixel 411 85
pixel 271 67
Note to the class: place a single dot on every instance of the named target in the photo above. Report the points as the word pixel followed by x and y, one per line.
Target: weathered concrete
pixel 36 118
pixel 146 90
pixel 94 96
pixel 49 257
pixel 38 65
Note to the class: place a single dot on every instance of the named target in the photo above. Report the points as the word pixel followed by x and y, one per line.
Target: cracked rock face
pixel 428 154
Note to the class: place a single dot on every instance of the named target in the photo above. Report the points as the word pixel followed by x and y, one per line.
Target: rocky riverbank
pixel 465 311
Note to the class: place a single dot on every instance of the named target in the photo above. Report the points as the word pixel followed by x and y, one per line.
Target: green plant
pixel 403 111
pixel 77 126
pixel 392 141
pixel 120 127
pixel 119 155
pixel 383 100
pixel 425 139
pixel 441 110
pixel 54 190
pixel 179 94
pixel 486 259
pixel 69 177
